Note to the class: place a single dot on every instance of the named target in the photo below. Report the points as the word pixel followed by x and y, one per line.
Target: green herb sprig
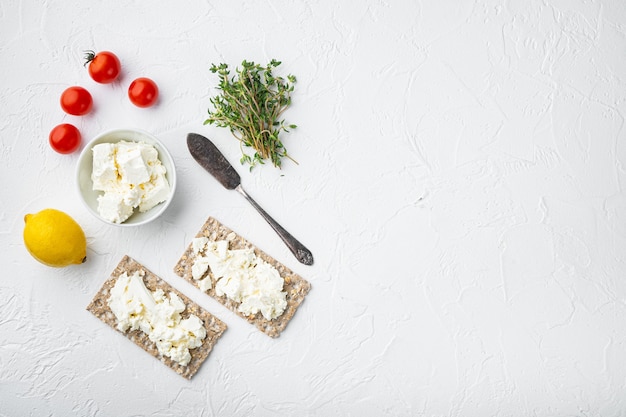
pixel 251 104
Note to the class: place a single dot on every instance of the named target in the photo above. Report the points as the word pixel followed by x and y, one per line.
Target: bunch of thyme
pixel 251 105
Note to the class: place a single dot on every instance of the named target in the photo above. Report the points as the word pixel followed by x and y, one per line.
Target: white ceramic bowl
pixel 85 166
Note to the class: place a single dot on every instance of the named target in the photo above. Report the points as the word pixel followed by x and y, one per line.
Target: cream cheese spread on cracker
pixel 131 176
pixel 157 315
pixel 241 276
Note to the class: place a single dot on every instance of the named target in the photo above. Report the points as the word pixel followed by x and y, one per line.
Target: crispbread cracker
pixel 295 286
pixel 99 307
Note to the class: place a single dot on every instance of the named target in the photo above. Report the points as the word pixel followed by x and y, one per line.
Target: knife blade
pixel 211 159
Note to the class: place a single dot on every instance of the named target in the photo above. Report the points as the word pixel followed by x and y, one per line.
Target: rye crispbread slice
pixel 295 286
pixel 99 307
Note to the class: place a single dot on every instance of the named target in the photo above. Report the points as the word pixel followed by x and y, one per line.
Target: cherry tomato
pixel 76 101
pixel 64 138
pixel 104 67
pixel 143 92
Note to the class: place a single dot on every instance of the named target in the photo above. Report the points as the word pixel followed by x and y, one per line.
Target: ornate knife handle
pixel 298 249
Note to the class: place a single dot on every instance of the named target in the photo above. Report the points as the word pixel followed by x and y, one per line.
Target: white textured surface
pixel 461 185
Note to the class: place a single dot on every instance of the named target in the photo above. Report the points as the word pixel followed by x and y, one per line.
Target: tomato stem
pixel 89 56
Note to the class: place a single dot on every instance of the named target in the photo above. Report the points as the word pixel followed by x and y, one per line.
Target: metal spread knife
pixel 211 159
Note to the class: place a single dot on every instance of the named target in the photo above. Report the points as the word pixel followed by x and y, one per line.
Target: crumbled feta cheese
pixel 130 164
pixel 198 244
pixel 241 276
pixel 205 284
pixel 154 191
pixel 199 267
pixel 104 173
pixel 114 208
pixel 131 176
pixel 158 316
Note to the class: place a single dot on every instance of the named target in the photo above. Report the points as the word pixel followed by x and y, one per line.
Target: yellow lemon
pixel 54 238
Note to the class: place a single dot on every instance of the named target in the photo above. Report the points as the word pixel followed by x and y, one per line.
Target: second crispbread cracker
pixel 214 327
pixel 295 286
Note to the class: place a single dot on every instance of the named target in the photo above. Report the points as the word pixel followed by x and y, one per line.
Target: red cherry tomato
pixel 104 67
pixel 64 138
pixel 143 92
pixel 76 101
